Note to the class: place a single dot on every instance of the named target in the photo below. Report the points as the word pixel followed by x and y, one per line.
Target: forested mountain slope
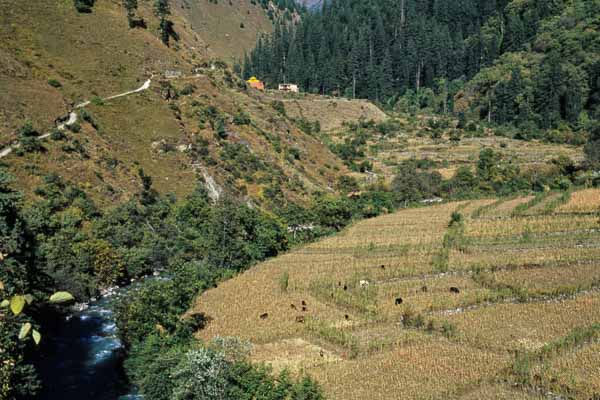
pixel 468 50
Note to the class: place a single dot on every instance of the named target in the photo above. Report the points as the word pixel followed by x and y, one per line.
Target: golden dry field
pixel 405 306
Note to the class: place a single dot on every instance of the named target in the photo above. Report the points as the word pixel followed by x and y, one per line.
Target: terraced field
pixel 483 299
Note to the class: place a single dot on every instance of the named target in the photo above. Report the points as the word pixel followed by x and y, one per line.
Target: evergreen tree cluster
pixel 553 81
pixel 531 63
pixel 377 48
pixel 162 9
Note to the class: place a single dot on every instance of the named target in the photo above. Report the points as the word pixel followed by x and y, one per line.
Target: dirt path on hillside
pixel 73 116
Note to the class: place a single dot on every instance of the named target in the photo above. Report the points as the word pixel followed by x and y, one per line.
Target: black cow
pixel 455 290
pixel 264 316
pixel 399 301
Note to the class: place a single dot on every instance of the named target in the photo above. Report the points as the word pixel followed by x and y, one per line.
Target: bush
pixel 411 185
pixel 84 6
pixel 220 131
pixel 57 135
pixel 74 127
pixel 412 319
pixel 187 90
pixel 278 106
pixel 87 117
pixel 97 101
pixel 201 375
pixel 28 139
pixel 241 118
pixel 54 83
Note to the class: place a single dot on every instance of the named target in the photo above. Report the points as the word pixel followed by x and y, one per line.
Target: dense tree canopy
pixel 526 63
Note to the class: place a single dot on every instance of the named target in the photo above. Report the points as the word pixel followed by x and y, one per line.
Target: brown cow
pixel 264 316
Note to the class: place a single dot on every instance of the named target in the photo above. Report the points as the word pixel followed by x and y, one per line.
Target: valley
pixel 299 199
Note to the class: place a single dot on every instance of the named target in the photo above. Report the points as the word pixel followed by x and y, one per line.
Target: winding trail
pixel 73 116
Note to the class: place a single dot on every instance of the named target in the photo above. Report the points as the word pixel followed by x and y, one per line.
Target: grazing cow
pixel 455 290
pixel 293 306
pixel 340 284
pixel 364 283
pixel 264 316
pixel 300 319
pixel 345 287
pixel 399 301
pixel 321 353
pixel 303 303
pixel 304 309
pixel 424 289
pixel 347 317
pixel 382 266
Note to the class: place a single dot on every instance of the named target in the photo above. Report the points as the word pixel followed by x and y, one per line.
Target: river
pixel 82 358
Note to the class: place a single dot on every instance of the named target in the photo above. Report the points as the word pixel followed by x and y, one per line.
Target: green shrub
pixel 84 6
pixel 97 101
pixel 187 90
pixel 57 135
pixel 74 127
pixel 54 83
pixel 278 106
pixel 241 118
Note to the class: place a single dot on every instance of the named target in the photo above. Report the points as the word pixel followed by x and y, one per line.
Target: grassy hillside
pixel 331 112
pixel 224 29
pixel 444 294
pixel 203 125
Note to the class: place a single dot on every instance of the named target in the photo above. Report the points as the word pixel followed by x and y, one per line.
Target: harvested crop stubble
pixel 526 326
pixel 350 336
pixel 583 201
pixel 504 209
pixel 549 279
pixel 579 370
pixel 432 368
pixel 521 257
pixel 432 294
pixel 234 308
pixel 531 225
pixel 546 201
pixel 332 268
pixel 410 227
pixel 499 392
